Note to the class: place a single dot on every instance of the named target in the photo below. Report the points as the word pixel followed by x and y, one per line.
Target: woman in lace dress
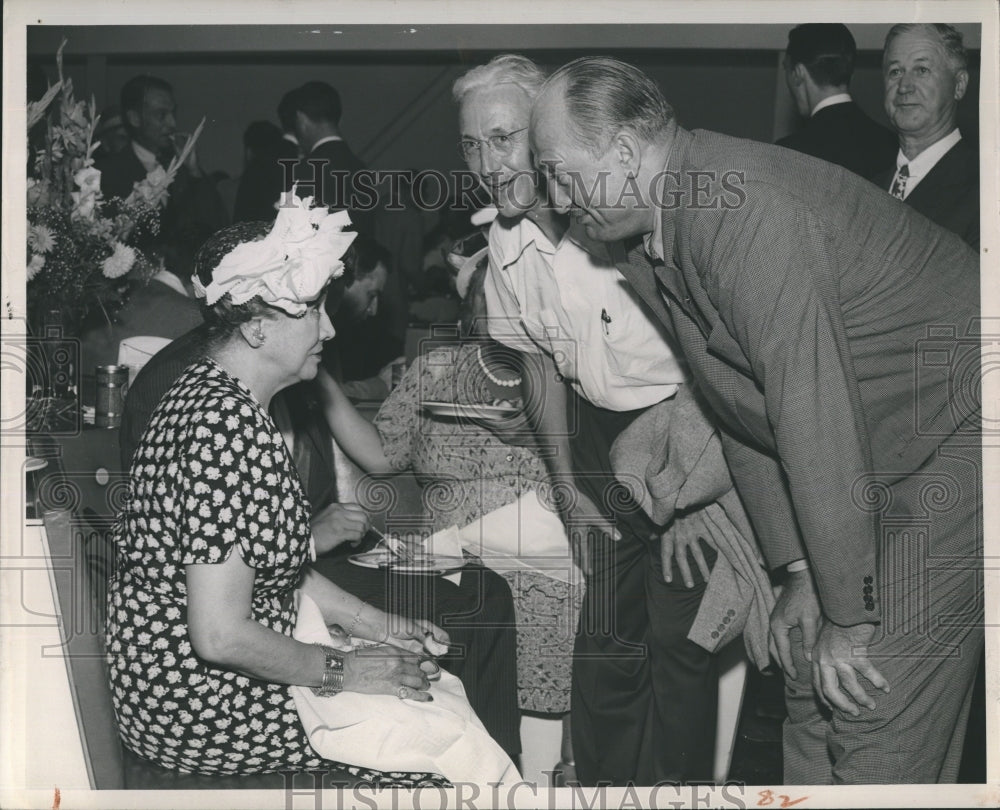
pixel 468 470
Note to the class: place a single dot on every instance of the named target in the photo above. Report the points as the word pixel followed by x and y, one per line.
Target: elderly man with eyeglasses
pixel 643 699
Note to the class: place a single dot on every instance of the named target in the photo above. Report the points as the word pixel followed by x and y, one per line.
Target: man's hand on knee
pixel 840 655
pixel 797 606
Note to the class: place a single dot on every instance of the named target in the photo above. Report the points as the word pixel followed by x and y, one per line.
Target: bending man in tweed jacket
pixel 833 333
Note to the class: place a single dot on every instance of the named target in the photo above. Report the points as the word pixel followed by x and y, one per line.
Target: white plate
pixel 486 412
pixel 31 464
pixel 377 558
pixel 383 558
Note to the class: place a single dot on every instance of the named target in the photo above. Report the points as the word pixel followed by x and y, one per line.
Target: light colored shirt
pixel 653 241
pixel 921 165
pixel 146 158
pixel 829 101
pixel 321 141
pixel 570 301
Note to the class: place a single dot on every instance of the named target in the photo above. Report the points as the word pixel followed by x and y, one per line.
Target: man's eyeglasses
pixel 501 144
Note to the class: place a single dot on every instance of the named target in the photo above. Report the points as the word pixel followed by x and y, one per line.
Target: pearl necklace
pixel 491 376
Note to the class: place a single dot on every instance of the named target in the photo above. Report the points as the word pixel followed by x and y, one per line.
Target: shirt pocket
pixel 634 349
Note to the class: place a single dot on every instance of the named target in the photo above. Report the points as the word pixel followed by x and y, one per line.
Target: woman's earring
pixel 259 335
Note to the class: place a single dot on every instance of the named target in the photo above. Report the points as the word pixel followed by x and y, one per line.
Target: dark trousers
pixel 478 615
pixel 644 697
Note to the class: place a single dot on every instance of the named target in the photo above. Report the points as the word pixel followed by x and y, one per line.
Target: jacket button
pixel 868 580
pixel 715 634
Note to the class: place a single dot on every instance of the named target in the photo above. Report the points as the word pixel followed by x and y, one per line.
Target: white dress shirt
pixel 321 141
pixel 570 301
pixel 148 159
pixel 829 101
pixel 925 161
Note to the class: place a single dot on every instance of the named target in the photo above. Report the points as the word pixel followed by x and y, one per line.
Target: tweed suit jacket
pixel 949 193
pixel 801 322
pixel 843 134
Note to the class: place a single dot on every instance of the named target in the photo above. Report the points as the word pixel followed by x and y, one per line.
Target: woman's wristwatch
pixel 333 673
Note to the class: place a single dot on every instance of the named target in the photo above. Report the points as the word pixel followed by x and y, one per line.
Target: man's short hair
pixel 134 92
pixel 604 95
pixel 362 257
pixel 827 50
pixel 508 68
pixel 318 101
pixel 951 39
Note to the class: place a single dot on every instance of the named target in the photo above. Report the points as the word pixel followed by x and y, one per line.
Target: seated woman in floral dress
pixel 469 469
pixel 215 536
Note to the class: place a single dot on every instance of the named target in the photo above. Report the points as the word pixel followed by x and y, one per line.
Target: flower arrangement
pixel 83 249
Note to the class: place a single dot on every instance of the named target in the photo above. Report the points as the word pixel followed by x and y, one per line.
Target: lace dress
pixel 211 475
pixel 466 471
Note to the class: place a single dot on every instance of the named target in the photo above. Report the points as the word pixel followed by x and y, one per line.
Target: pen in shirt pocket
pixel 606 319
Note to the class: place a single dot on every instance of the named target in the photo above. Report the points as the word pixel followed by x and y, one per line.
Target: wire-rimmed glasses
pixel 500 144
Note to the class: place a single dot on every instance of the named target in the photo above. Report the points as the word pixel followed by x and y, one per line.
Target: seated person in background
pixel 819 61
pixel 483 638
pixel 263 176
pixel 161 307
pixel 370 332
pixel 925 69
pixel 200 676
pixel 468 471
pixel 438 304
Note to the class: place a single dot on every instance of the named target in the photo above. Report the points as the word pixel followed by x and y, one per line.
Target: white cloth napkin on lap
pixel 523 536
pixel 445 543
pixel 388 734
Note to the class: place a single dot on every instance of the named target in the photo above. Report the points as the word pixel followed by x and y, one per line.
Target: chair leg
pixel 732 684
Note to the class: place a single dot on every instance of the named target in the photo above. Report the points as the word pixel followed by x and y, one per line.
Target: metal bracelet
pixel 333 673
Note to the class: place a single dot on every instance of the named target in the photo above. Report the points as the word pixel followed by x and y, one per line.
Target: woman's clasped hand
pixel 389 670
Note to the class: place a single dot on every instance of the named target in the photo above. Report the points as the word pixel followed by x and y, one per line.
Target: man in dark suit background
pixel 194 209
pixel 925 72
pixel 329 170
pixel 925 75
pixel 801 298
pixel 819 61
pixel 162 306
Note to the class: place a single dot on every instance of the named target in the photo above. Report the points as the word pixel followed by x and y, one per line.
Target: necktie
pixel 899 184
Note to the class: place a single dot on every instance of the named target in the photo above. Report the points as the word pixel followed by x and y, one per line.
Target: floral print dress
pixel 211 477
